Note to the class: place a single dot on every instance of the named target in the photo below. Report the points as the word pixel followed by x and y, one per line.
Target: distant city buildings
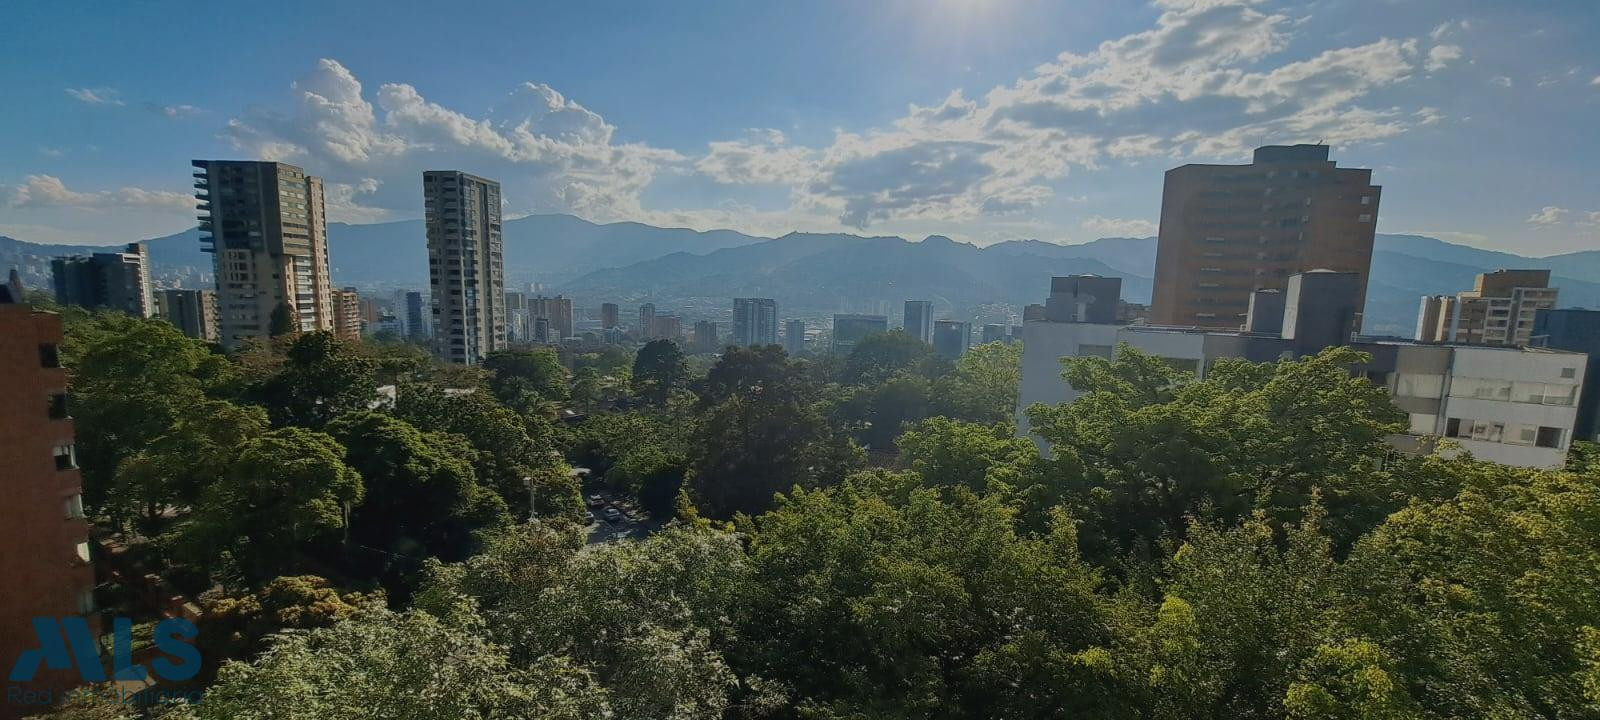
pixel 264 224
pixel 848 330
pixel 951 338
pixel 919 320
pixel 43 527
pixel 519 322
pixel 609 316
pixel 647 321
pixel 347 314
pixel 1228 230
pixel 1512 406
pixel 705 337
pixel 794 337
pixel 994 333
pixel 558 310
pixel 115 280
pixel 1499 310
pixel 193 312
pixel 466 265
pixel 755 321
pixel 668 326
pixel 418 319
pixel 1576 330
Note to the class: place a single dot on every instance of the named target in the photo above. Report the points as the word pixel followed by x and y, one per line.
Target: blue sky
pixel 984 120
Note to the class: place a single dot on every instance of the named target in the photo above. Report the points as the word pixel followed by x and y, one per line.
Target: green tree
pixel 763 441
pixel 287 491
pixel 282 322
pixel 740 370
pixel 172 471
pixel 512 452
pixel 422 497
pixel 524 380
pixel 984 386
pixel 881 355
pixel 236 627
pixel 131 380
pixel 382 665
pixel 657 370
pixel 321 378
pixel 877 413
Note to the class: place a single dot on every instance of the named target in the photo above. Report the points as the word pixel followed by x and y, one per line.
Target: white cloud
pixel 1200 84
pixel 1548 215
pixel 1120 227
pixel 550 153
pixel 1502 81
pixel 95 96
pixel 1440 57
pixel 1207 81
pixel 48 151
pixel 172 111
pixel 1596 81
pixel 47 191
pixel 343 202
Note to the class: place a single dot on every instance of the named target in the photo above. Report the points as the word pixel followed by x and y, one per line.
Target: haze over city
pixel 981 120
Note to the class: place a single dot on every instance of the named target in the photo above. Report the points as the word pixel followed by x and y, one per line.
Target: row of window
pixel 1504 433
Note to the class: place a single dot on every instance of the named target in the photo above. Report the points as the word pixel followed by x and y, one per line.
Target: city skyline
pixel 951 134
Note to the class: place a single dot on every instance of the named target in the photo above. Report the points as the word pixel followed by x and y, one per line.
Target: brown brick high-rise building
pixel 347 314
pixel 1228 230
pixel 44 538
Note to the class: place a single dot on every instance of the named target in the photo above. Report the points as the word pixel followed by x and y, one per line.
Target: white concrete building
pixel 1515 406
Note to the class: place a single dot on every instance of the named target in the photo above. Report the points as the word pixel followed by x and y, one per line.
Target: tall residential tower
pixel 466 266
pixel 1229 230
pixel 263 223
pixel 755 321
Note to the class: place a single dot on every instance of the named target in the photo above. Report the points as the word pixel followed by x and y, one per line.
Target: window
pixel 1366 218
pixel 58 406
pixel 1452 427
pixel 1549 437
pixel 49 357
pixel 1418 385
pixel 73 504
pixel 83 551
pixel 1366 199
pixel 1569 373
pixel 86 602
pixel 66 457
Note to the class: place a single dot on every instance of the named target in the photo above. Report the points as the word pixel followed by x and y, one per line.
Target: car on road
pixel 612 514
pixel 596 501
pixel 588 517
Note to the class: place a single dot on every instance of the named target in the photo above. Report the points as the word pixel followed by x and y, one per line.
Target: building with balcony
pixel 347 323
pixel 265 226
pixel 466 265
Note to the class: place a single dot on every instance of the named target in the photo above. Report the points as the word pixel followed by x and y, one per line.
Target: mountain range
pixel 815 274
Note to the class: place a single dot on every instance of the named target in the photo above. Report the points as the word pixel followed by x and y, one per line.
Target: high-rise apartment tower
pixel 466 265
pixel 263 223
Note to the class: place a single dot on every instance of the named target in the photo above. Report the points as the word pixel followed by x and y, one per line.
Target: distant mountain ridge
pixel 698 272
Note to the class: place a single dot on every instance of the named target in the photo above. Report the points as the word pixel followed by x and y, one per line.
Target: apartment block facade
pixel 951 338
pixel 466 265
pixel 794 337
pixel 117 280
pixel 919 320
pixel 194 312
pixel 1500 309
pixel 1228 230
pixel 347 314
pixel 755 321
pixel 265 226
pixel 43 530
